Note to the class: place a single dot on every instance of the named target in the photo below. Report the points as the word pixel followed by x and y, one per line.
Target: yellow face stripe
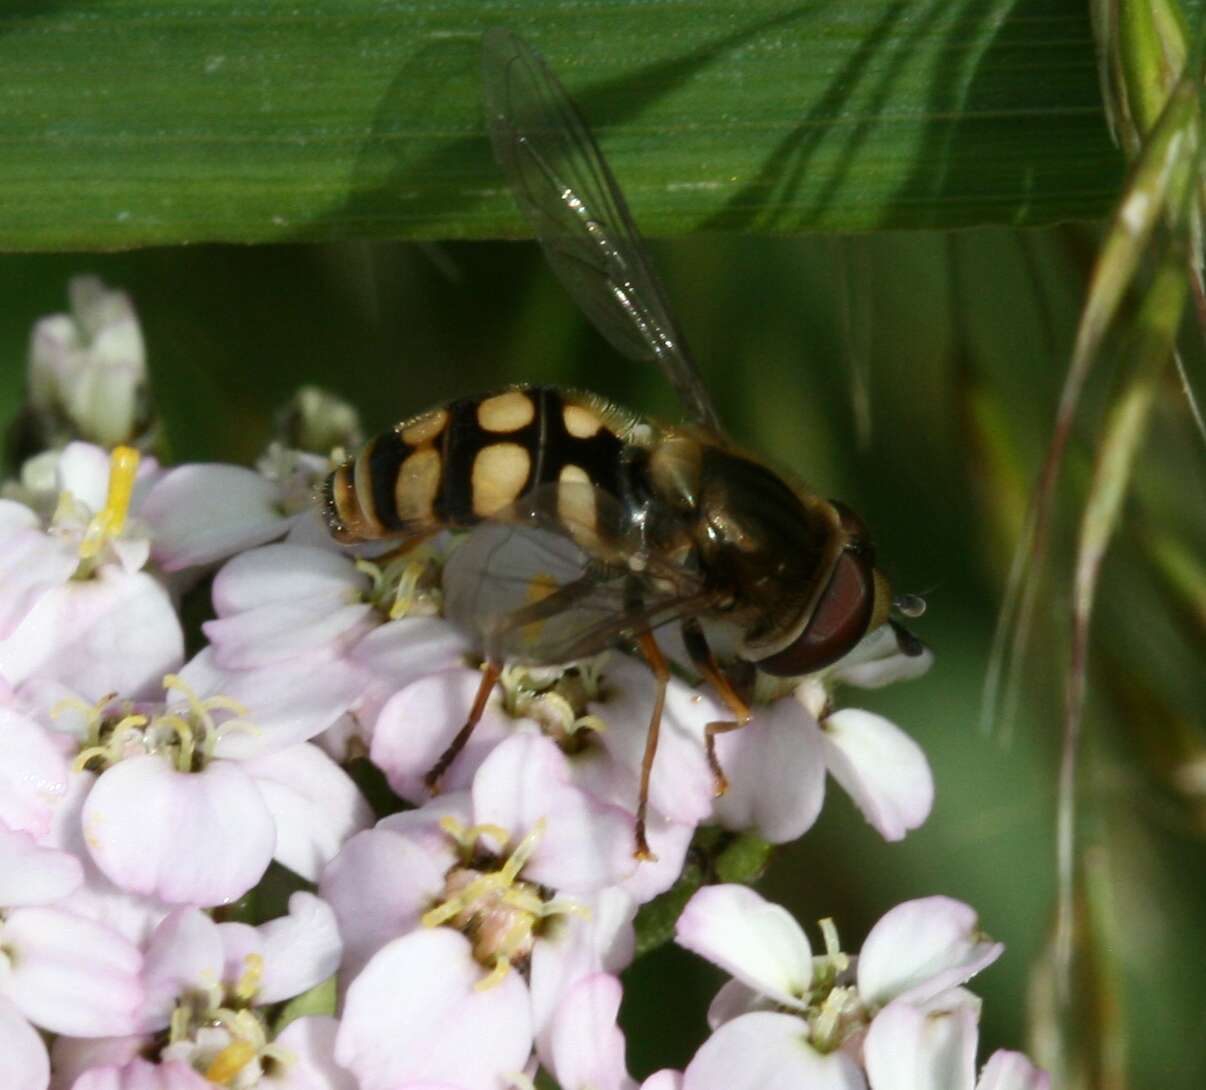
pixel 506 412
pixel 425 428
pixel 581 422
pixel 417 485
pixel 499 474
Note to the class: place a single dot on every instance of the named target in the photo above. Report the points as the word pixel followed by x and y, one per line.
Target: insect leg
pixel 657 663
pixel 490 673
pixel 905 640
pixel 705 662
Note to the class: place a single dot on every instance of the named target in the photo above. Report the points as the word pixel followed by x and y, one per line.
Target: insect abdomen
pixel 455 465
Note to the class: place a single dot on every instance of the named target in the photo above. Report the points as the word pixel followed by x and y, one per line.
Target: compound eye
pixel 840 620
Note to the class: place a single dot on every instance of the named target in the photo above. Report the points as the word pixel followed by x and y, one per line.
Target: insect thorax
pixel 765 547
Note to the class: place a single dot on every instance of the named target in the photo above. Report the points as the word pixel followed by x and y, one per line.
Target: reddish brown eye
pixel 838 623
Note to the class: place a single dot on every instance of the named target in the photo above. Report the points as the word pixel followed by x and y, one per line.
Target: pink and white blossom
pixel 776 768
pixel 207 981
pixel 24 1064
pixel 898 1008
pixel 89 366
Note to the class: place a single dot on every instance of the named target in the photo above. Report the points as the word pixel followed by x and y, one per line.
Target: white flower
pixel 90 366
pixel 776 764
pixel 805 1018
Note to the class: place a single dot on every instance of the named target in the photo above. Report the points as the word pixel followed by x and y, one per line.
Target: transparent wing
pixel 565 188
pixel 555 578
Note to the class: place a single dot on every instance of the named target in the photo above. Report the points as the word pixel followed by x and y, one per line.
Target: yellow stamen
pixel 203 723
pixel 248 984
pixel 502 966
pixel 466 837
pixel 495 882
pixel 112 747
pixel 523 852
pixel 408 586
pixel 229 1062
pixel 589 722
pixel 184 732
pixel 111 519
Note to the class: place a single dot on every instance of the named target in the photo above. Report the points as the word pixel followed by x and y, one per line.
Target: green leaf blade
pixel 137 122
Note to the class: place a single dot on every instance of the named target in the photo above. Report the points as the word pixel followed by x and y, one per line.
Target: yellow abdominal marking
pixel 580 422
pixel 111 519
pixel 506 412
pixel 417 484
pixel 576 499
pixel 424 428
pixel 499 473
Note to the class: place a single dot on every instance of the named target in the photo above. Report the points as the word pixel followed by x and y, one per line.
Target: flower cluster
pixel 466 940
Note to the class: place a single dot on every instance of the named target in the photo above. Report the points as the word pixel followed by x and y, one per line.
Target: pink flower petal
pixel 417 724
pixel 288 702
pixel 278 633
pixel 586 1046
pixel 669 841
pixel 311 1043
pixel 666 1079
pixel 584 846
pixel 141 1074
pixel 279 575
pixel 908 1049
pixel 600 939
pixel 300 950
pixel 734 999
pixel 768 1051
pixel 202 513
pixel 211 840
pixel 402 651
pixel 33 774
pixel 130 914
pixel 70 1057
pixel 414 1014
pixel 921 948
pixel 756 942
pixel 1012 1071
pixel 379 885
pixel 681 787
pixel 116 632
pixel 776 772
pixel 31 563
pixel 15 518
pixel 24 1064
pixel 881 768
pixel 315 805
pixel 33 875
pixel 284 600
pixel 183 955
pixel 70 975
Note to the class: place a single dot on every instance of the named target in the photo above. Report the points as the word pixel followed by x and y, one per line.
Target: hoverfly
pixel 591 525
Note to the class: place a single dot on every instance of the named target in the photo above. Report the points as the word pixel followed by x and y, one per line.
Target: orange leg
pixel 490 673
pixel 705 662
pixel 657 663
